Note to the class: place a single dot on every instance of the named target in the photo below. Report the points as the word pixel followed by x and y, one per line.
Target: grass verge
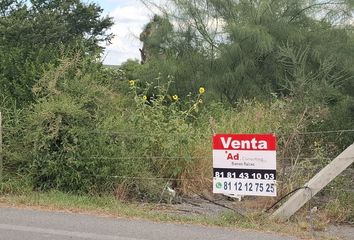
pixel 109 206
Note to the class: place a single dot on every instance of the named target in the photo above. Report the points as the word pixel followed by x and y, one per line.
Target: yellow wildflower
pixel 131 83
pixel 175 97
pixel 201 90
pixel 145 97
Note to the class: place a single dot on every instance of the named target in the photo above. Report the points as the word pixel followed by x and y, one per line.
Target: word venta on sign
pixel 244 164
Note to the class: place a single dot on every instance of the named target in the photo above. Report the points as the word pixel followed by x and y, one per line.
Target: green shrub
pixel 81 137
pixel 59 130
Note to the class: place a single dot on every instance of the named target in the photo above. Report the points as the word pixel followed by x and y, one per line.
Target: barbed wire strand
pixel 143 134
pixel 328 132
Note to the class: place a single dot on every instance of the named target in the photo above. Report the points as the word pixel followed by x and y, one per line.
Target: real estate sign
pixel 244 164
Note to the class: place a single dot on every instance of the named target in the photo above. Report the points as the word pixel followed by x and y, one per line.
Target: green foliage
pixel 35 34
pixel 15 185
pixel 71 135
pixel 58 129
pixel 155 38
pixel 341 208
pixel 73 125
pixel 168 129
pixel 131 69
pixel 12 117
pixel 237 48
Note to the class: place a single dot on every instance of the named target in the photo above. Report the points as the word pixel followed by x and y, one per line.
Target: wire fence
pixel 347 172
pixel 187 156
pixel 284 174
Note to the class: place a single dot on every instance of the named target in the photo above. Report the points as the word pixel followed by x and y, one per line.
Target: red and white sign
pixel 252 142
pixel 244 164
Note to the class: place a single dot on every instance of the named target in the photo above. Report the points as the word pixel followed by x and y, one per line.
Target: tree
pixel 171 55
pixel 130 68
pixel 242 43
pixel 34 34
pixel 155 38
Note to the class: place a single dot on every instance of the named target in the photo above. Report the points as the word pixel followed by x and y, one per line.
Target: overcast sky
pixel 129 18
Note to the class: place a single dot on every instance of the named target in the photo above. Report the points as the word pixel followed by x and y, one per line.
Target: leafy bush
pixel 81 136
pixel 58 129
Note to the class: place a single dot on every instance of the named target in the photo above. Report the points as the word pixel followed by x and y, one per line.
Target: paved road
pixel 19 224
